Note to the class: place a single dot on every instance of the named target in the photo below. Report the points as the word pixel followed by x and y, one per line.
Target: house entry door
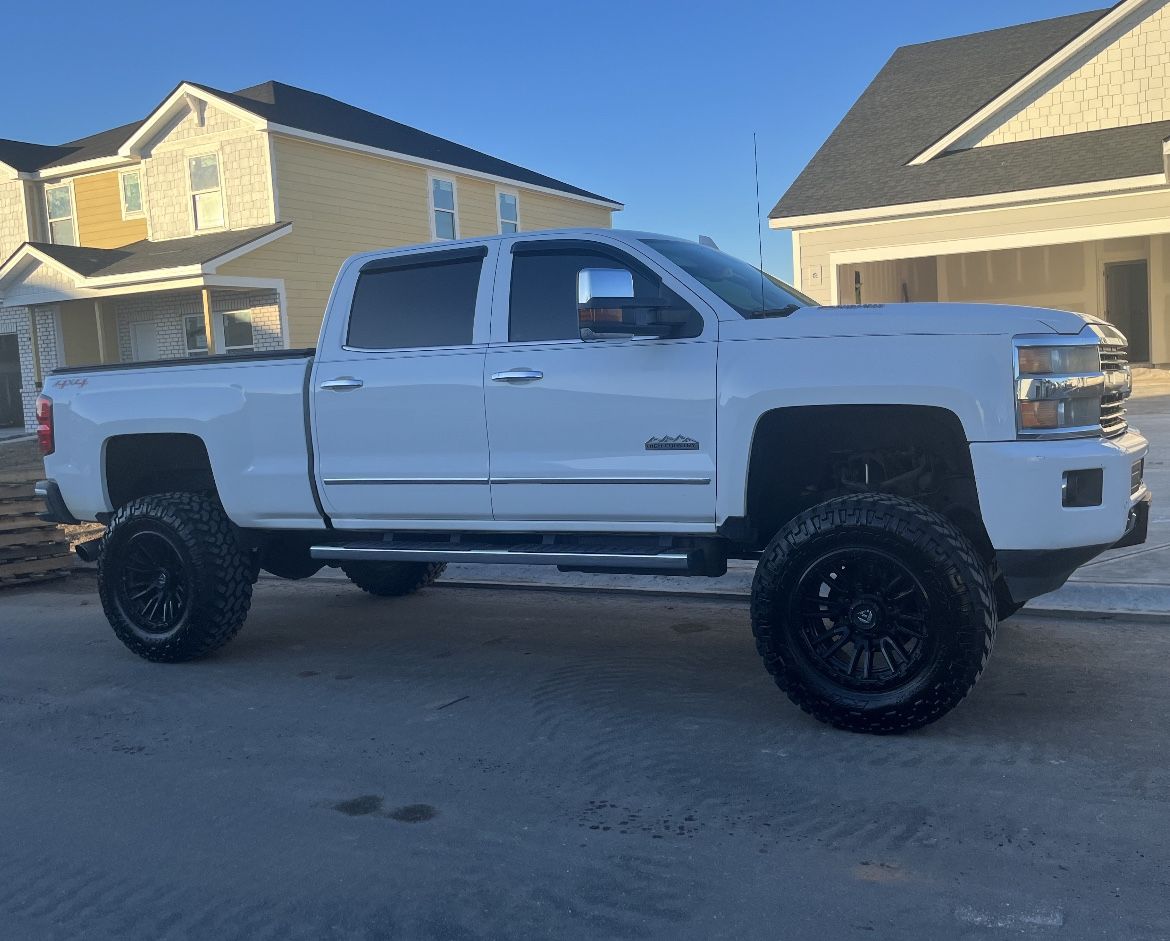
pixel 1127 305
pixel 11 407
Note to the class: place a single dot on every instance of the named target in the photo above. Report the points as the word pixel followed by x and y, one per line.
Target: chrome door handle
pixel 342 384
pixel 518 375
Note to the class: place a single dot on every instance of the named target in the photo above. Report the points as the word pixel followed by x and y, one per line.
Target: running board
pixel 645 558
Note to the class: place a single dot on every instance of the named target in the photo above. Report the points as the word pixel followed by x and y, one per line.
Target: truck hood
pixel 941 319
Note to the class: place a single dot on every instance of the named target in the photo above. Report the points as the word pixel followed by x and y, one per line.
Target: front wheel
pixel 873 613
pixel 174 583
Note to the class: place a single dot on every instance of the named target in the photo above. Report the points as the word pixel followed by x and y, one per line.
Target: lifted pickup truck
pixel 606 401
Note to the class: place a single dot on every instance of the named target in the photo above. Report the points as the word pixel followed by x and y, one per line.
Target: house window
pixel 195 335
pixel 206 196
pixel 130 182
pixel 233 333
pixel 236 332
pixel 443 208
pixel 509 209
pixel 59 206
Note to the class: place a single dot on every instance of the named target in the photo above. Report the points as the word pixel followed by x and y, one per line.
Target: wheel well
pixel 137 465
pixel 805 455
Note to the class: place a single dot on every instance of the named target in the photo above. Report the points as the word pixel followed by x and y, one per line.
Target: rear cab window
pixel 416 301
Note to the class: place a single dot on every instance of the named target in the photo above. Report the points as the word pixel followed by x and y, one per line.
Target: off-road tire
pixel 393 579
pixel 215 571
pixel 960 611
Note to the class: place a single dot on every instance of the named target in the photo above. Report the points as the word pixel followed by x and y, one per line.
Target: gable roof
pixel 927 90
pixel 287 106
pixel 304 110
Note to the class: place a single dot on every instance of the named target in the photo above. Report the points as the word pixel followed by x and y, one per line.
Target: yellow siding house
pixel 217 224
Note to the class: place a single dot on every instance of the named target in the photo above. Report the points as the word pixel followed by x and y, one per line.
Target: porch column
pixel 207 331
pixel 101 333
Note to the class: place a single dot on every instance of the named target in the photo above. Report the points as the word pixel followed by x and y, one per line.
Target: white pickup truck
pixel 607 401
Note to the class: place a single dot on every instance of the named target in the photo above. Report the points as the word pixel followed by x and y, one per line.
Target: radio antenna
pixel 759 218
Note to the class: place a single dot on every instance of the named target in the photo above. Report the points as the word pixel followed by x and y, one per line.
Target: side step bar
pixel 645 559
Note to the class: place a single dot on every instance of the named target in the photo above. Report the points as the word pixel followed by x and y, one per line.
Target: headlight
pixel 1058 389
pixel 1050 360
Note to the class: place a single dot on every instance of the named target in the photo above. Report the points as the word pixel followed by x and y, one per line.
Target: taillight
pixel 45 436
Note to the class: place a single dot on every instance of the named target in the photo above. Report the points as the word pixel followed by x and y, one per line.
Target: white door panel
pixel 409 443
pixel 144 341
pixel 577 443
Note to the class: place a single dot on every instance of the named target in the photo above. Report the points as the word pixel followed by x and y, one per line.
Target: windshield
pixel 740 285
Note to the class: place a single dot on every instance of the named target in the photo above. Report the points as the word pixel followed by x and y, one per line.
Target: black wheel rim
pixel 153 589
pixel 863 619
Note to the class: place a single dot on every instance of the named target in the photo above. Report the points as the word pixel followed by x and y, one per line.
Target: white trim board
pixel 1120 187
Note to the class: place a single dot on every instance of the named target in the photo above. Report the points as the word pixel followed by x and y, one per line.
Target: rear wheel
pixel 393 579
pixel 873 613
pixel 173 580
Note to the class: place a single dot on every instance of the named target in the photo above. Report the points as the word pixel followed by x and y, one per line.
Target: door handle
pixel 342 384
pixel 518 375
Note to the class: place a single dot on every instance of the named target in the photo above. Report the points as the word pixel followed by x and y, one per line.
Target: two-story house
pixel 217 224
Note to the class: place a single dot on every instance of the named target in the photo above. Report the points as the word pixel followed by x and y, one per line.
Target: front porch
pixel 125 329
pixel 1126 281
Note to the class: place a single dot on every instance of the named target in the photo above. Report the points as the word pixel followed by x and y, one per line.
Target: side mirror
pixel 607 308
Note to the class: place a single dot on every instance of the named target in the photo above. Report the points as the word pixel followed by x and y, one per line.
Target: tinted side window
pixel 426 304
pixel 543 301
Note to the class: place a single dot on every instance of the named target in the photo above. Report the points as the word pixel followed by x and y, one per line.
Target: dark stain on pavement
pixel 413 813
pixel 360 806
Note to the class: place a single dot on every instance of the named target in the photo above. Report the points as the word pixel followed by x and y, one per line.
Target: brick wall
pixel 16 320
pixel 1128 83
pixel 166 312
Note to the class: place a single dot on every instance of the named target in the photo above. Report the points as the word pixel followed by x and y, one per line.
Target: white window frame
pixel 188 156
pixel 194 353
pixel 72 217
pixel 217 324
pixel 431 177
pixel 220 341
pixel 515 194
pixel 126 213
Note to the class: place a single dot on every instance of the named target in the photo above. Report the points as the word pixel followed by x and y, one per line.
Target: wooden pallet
pixel 31 550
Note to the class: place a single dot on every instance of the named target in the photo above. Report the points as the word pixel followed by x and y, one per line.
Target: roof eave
pixel 870 214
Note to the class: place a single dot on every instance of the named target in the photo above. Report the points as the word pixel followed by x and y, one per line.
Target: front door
pixel 144 341
pixel 1127 305
pixel 11 408
pixel 599 432
pixel 398 412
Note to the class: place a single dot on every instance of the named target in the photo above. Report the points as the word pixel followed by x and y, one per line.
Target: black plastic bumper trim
pixel 55 509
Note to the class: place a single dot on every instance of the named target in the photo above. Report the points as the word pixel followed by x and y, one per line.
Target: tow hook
pixel 89 551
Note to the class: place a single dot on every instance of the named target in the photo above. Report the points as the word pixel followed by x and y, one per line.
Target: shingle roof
pixel 153 256
pixel 306 111
pixel 319 114
pixel 927 90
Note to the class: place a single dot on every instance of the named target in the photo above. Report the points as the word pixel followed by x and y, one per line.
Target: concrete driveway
pixel 492 763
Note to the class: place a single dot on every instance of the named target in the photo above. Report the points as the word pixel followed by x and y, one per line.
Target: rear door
pixel 398 414
pixel 604 431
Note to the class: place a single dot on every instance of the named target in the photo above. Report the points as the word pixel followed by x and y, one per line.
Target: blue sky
pixel 650 102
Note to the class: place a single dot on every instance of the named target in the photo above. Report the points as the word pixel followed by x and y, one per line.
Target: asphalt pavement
pixel 496 763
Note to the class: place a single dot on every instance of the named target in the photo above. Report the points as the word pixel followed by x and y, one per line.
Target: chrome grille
pixel 1114 359
pixel 1136 476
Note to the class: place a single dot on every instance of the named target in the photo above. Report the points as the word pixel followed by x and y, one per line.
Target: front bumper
pixel 1029 573
pixel 1020 484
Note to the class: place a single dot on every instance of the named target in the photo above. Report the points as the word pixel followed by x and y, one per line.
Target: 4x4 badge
pixel 672 443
